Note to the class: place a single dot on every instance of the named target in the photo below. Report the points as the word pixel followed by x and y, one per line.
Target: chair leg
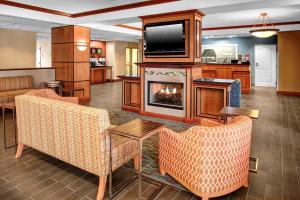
pixel 246 184
pixel 19 150
pixel 204 198
pixel 136 162
pixel 101 188
pixel 161 170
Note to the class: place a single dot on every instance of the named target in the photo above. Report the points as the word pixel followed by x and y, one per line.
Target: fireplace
pixel 165 94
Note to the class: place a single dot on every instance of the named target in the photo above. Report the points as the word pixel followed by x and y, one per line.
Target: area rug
pixel 150 146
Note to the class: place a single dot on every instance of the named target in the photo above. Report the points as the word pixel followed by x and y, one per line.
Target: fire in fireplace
pixel 165 94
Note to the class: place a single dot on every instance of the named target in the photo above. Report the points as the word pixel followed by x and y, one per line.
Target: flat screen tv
pixel 164 38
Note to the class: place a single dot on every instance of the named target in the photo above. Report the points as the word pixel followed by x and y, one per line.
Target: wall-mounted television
pixel 167 38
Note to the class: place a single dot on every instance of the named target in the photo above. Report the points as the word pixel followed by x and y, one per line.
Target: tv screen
pixel 164 38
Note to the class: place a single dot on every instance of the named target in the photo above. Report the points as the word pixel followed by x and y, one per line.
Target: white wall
pixel 43 51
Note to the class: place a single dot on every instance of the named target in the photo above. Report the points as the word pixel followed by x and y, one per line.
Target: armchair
pixel 210 160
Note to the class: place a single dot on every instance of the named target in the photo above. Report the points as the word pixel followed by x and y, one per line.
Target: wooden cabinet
pixel 209 74
pixel 131 98
pixel 209 99
pixel 244 77
pixel 229 71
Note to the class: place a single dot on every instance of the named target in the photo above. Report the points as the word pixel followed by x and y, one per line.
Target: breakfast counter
pixel 229 71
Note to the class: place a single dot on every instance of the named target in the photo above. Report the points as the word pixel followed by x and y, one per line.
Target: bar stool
pixel 55 85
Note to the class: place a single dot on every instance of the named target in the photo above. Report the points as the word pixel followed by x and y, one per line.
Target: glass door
pixel 131 58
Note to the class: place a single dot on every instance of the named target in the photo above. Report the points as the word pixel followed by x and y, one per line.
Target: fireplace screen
pixel 165 94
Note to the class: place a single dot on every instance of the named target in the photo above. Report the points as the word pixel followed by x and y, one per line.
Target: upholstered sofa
pixel 51 94
pixel 13 86
pixel 72 133
pixel 210 160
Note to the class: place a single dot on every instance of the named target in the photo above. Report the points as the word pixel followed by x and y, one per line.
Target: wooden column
pixel 70 58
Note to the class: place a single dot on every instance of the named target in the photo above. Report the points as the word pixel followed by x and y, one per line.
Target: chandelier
pixel 262 30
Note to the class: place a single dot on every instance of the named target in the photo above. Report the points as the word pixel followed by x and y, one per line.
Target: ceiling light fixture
pixel 81 47
pixel 265 31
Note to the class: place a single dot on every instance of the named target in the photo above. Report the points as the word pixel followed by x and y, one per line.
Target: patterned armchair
pixel 72 133
pixel 51 94
pixel 210 160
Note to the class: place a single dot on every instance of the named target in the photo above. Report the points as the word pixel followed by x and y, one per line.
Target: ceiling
pixel 106 14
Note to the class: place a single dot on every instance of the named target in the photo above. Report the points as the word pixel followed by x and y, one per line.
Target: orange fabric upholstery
pixel 210 160
pixel 51 94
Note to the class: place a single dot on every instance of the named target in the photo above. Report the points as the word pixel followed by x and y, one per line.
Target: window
pixel 131 58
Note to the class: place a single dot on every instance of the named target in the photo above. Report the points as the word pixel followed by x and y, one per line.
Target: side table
pixel 235 111
pixel 9 106
pixel 138 130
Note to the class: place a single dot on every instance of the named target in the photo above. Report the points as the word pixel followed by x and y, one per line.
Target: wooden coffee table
pixel 234 111
pixel 138 130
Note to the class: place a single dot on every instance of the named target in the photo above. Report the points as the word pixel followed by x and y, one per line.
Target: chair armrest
pixel 209 123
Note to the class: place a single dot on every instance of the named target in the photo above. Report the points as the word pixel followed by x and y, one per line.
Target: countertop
pixel 129 77
pixel 99 66
pixel 214 81
pixel 226 64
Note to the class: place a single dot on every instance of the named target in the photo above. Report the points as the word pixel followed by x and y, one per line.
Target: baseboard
pixel 167 117
pixel 115 80
pixel 288 93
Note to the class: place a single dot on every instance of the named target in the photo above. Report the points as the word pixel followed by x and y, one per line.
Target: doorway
pixel 131 59
pixel 265 63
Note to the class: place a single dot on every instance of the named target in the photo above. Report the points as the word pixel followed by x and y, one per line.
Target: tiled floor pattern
pixel 276 141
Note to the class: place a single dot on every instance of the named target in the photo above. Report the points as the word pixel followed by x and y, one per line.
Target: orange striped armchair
pixel 210 160
pixel 72 133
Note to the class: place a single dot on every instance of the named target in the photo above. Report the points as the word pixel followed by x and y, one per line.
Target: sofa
pixel 13 86
pixel 210 160
pixel 51 94
pixel 72 133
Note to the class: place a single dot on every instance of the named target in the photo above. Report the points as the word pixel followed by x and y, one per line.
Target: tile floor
pixel 275 140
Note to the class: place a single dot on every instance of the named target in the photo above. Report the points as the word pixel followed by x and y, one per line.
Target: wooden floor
pixel 275 140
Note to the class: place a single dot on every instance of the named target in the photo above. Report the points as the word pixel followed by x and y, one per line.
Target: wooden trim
pixel 173 13
pixel 122 7
pixel 131 109
pixel 35 8
pixel 26 69
pixel 240 26
pixel 87 13
pixel 129 27
pixel 288 93
pixel 167 117
pixel 249 26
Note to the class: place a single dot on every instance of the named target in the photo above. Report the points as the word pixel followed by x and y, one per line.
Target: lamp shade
pixel 264 33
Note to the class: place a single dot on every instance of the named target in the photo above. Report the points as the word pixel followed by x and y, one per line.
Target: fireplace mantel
pixel 168 65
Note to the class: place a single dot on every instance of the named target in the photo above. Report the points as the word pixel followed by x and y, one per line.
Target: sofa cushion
pixel 16 83
pixel 9 96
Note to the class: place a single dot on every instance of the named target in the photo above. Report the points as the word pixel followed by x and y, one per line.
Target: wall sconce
pixel 81 47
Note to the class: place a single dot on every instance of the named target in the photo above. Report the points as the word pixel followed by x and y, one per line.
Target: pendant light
pixel 264 31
